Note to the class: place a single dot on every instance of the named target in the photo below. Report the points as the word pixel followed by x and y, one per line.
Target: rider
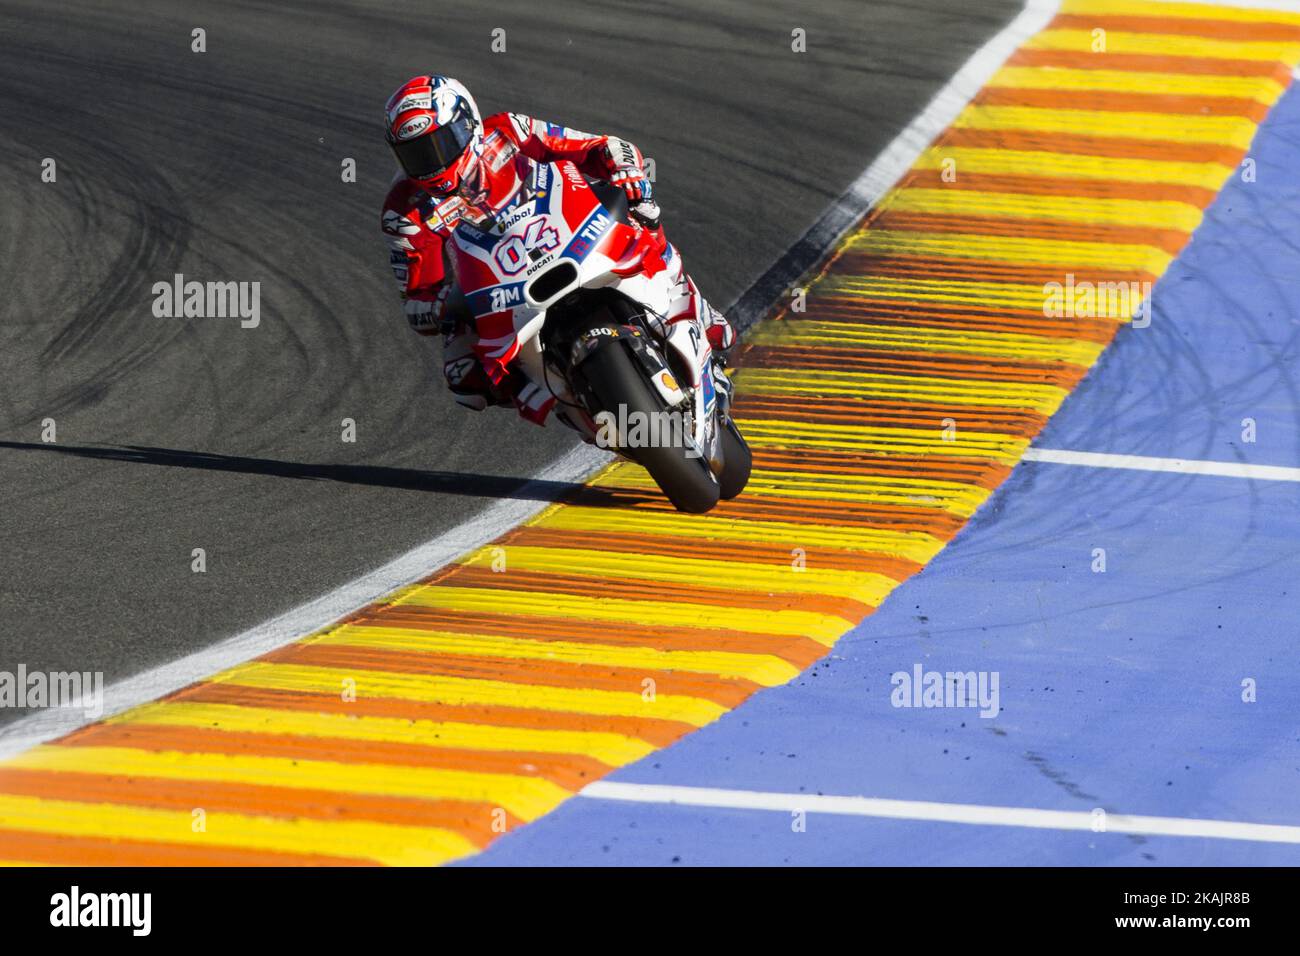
pixel 455 165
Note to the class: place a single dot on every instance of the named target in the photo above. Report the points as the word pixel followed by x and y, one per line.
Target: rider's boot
pixel 465 377
pixel 689 304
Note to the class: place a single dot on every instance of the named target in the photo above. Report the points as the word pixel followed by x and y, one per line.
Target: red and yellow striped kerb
pixel 609 626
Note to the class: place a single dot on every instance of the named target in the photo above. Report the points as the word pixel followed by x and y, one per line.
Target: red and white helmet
pixel 436 132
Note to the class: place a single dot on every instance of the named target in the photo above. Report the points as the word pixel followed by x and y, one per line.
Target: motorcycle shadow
pixel 468 484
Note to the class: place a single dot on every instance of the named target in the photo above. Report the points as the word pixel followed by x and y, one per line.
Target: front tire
pixel 614 379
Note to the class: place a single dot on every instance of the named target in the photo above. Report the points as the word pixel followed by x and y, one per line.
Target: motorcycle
pixel 588 286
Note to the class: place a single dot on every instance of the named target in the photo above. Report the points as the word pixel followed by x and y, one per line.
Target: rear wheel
pixel 736 461
pixel 615 380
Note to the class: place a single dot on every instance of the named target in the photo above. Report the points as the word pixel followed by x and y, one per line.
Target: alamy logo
pixel 179 299
pixel 134 910
pixel 1121 301
pixel 922 688
pixel 53 689
pixel 637 429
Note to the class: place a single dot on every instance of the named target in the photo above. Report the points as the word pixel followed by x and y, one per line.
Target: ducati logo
pixel 412 101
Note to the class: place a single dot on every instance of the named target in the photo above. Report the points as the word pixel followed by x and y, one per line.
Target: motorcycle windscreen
pixel 433 152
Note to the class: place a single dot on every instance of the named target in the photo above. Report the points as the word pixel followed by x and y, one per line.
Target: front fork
pixel 710 387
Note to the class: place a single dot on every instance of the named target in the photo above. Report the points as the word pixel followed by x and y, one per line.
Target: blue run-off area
pixel 1121 689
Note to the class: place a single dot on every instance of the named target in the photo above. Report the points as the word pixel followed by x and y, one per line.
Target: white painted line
pixel 940 812
pixel 1183 466
pixel 418 563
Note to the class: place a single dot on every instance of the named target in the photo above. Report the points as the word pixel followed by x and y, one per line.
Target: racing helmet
pixel 436 133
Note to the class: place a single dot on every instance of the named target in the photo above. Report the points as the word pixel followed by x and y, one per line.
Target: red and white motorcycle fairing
pixel 556 234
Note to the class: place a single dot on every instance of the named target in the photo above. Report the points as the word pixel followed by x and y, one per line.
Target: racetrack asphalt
pixel 225 165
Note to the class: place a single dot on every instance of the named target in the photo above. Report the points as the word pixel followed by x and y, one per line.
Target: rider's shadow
pixel 408 479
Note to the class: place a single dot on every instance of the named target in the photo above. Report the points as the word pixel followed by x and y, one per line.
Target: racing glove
pixel 627 169
pixel 429 316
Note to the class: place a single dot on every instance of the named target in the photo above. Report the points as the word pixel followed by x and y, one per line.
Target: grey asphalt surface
pixel 175 434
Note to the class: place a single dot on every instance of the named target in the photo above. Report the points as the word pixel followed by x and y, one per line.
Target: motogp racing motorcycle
pixel 588 288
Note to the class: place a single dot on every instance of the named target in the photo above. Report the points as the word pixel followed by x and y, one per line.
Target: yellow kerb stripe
pixel 385 843
pixel 953 496
pixel 610 748
pixel 682 569
pixel 1148 214
pixel 824 628
pixel 1235 131
pixel 1192 11
pixel 1042 398
pixel 927 339
pixel 1164 44
pixel 765 669
pixel 471 692
pixel 764 433
pixel 912 545
pixel 1010 162
pixel 1261 89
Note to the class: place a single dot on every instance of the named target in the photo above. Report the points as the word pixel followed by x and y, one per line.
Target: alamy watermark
pixel 48 689
pixel 74 908
pixel 179 299
pixel 637 429
pixel 1075 299
pixel 922 688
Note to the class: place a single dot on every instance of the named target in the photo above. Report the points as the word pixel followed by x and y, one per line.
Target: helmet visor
pixel 432 153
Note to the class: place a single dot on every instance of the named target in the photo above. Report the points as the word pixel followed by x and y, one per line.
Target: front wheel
pixel 615 380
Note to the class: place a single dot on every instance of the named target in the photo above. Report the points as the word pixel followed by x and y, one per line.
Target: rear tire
pixel 614 379
pixel 737 461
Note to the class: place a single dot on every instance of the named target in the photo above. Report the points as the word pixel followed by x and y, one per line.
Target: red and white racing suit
pixel 477 353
